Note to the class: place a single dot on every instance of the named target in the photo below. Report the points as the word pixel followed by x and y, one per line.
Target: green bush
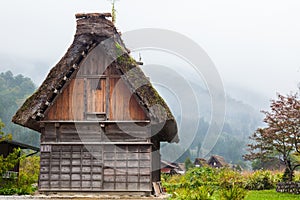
pixel 28 177
pixel 233 193
pixel 205 183
pixel 200 193
pixel 227 178
pixel 261 180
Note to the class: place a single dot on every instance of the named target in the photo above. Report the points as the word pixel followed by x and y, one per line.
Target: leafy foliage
pixel 205 183
pixel 211 183
pixel 188 163
pixel 261 180
pixel 282 134
pixel 28 172
pixel 26 183
pixel 233 193
pixel 8 163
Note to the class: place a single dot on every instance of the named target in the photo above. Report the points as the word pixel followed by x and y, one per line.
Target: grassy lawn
pixel 270 194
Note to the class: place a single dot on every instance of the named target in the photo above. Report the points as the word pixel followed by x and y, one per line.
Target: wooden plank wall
pixel 70 103
pixel 95 167
pixel 123 104
pixel 96 95
pixel 70 167
pixel 93 132
pixel 87 93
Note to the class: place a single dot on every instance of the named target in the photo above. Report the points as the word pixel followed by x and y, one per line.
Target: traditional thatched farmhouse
pixel 217 162
pixel 100 119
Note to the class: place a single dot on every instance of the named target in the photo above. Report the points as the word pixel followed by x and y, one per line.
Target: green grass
pixel 270 195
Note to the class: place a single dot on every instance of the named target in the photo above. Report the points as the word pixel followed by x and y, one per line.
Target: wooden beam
pixel 85 99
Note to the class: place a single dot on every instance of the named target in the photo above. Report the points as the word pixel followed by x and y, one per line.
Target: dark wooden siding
pixel 93 132
pixel 95 167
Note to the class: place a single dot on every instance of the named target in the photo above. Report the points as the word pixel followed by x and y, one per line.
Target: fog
pixel 255 45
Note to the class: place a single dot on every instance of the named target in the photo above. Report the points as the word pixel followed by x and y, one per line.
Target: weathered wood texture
pixel 96 89
pixel 102 167
pixel 93 132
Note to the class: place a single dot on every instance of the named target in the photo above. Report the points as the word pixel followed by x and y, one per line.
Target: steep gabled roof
pixel 94 30
pixel 200 161
pixel 219 159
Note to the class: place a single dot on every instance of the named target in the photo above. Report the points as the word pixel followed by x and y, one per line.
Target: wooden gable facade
pixel 100 128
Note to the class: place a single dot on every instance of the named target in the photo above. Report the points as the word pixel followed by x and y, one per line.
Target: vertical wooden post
pixel 57 132
pixel 155 156
pixel 60 155
pixel 50 166
pixel 115 165
pixel 107 97
pixel 139 169
pixel 85 99
pixel 102 171
pixel 91 160
pixel 80 174
pixel 126 167
pixel 71 165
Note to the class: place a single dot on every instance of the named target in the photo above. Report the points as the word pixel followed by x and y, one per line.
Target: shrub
pixel 233 193
pixel 260 180
pixel 231 184
pixel 200 193
pixel 204 183
pixel 297 176
pixel 227 178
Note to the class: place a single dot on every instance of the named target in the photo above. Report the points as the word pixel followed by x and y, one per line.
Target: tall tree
pixel 281 136
pixel 13 92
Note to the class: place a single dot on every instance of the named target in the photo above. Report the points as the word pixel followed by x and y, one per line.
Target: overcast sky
pixel 254 44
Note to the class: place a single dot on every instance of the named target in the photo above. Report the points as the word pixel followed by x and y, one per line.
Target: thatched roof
pixel 218 159
pixel 201 162
pixel 95 30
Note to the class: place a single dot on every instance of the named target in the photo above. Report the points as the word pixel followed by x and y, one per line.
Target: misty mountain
pixel 241 120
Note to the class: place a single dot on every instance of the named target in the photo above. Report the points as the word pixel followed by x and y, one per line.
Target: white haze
pixel 254 44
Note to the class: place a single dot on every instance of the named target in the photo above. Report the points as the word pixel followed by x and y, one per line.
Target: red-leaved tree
pixel 281 136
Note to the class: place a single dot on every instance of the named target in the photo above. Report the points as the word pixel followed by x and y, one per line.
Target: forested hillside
pixel 13 92
pixel 241 120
